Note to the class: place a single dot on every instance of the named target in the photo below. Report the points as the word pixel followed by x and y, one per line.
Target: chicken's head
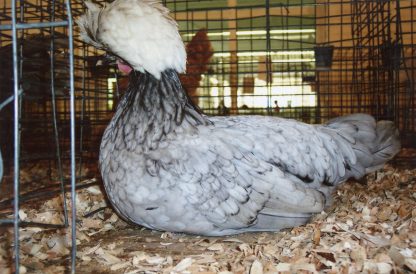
pixel 139 32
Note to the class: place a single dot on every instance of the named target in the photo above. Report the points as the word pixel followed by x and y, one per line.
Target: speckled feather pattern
pixel 167 166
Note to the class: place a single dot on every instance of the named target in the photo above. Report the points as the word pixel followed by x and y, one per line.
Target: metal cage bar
pixel 17 27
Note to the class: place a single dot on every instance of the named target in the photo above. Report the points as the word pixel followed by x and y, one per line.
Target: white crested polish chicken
pixel 167 166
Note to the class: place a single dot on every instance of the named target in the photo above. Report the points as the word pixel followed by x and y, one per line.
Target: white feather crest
pixel 141 32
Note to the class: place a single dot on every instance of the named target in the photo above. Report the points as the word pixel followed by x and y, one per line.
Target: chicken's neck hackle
pixel 152 108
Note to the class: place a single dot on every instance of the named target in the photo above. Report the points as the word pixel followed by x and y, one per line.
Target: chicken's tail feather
pixel 374 143
pixel 387 144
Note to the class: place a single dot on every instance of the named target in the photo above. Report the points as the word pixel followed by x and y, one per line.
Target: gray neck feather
pixel 150 109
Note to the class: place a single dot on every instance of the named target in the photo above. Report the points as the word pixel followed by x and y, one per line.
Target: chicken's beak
pixel 106 60
pixel 111 60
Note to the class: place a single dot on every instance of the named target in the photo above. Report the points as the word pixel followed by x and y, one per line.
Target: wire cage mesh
pixel 310 60
pixel 37 94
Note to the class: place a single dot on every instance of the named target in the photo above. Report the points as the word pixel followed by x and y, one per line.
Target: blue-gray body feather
pixel 168 167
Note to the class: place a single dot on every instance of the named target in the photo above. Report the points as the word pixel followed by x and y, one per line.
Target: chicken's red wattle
pixel 124 67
